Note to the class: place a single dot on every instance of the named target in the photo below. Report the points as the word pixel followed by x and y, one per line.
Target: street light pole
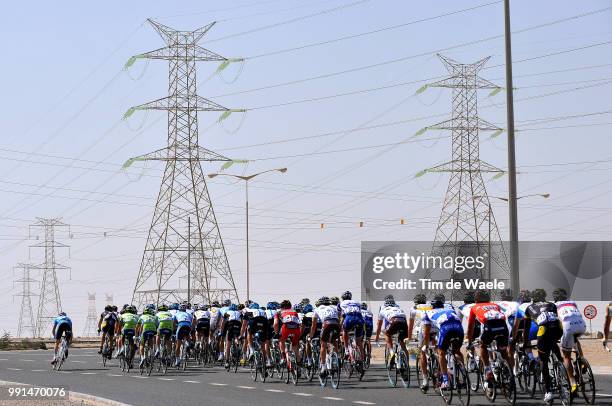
pixel 512 199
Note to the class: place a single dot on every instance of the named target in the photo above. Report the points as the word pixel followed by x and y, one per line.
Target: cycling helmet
pixel 437 303
pixel 538 295
pixel 254 305
pixel 524 296
pixel 247 303
pixel 325 301
pixel 108 308
pixel 227 303
pixel 215 303
pixel 483 296
pixel 183 307
pixel 419 298
pixel 125 306
pixel 389 301
pixel 285 304
pixel 440 298
pixel 174 306
pixel 62 313
pixel 240 307
pixel 151 306
pixel 347 295
pixel 297 307
pixel 162 307
pixel 507 294
pixel 270 305
pixel 148 310
pixel 469 297
pixel 114 309
pixel 307 308
pixel 305 301
pixel 364 306
pixel 335 301
pixel 233 307
pixel 559 294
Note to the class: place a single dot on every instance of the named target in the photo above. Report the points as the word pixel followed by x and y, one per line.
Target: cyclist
pixel 106 325
pixel 335 301
pixel 607 321
pixel 392 320
pixel 215 317
pixel 352 319
pixel 255 322
pixel 493 327
pixel 127 327
pixel 146 329
pixel 446 323
pixel 271 309
pixel 230 327
pixel 573 327
pixel 173 308
pixel 416 314
pixel 510 308
pixel 184 320
pixel 544 314
pixel 368 321
pixel 201 324
pixel 287 323
pixel 306 323
pixel 327 316
pixel 165 327
pixel 62 326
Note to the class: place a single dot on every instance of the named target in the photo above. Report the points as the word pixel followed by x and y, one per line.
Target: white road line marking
pixel 331 398
pixel 39 370
pixel 89 373
pixel 77 361
pixel 301 394
pixel 191 381
pixel 27 360
pixel 139 377
pixel 363 402
pixel 166 379
pixel 245 387
pixel 65 372
pixel 604 394
pixel 14 369
pixel 113 375
pixel 217 384
pixel 275 390
pixel 3 359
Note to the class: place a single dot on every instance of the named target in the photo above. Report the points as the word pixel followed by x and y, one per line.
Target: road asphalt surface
pixel 83 372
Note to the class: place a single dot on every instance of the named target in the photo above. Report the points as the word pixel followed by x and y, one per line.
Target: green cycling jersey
pixel 166 320
pixel 148 322
pixel 128 321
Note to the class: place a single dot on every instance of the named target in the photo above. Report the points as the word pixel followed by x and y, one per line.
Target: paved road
pixel 84 373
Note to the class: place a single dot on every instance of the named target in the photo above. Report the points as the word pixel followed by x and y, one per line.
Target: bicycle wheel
pixel 489 387
pixel 335 370
pixel 587 380
pixel 524 372
pixel 447 394
pixel 367 349
pixel 419 374
pixel 473 371
pixel 507 383
pixel 392 371
pixel 263 370
pixel 253 367
pixel 461 384
pixel 404 369
pixel 235 357
pixel 563 384
pixel 295 369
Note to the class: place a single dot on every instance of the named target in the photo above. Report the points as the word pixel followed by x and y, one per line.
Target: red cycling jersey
pixel 484 312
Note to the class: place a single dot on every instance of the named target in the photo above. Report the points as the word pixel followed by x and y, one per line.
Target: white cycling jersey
pixel 387 313
pixel 326 313
pixel 350 307
pixel 201 314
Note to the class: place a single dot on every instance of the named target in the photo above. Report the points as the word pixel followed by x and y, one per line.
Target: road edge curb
pixel 78 396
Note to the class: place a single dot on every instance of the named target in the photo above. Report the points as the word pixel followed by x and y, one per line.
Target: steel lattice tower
pixel 49 304
pixel 91 323
pixel 467 220
pixel 183 196
pixel 26 312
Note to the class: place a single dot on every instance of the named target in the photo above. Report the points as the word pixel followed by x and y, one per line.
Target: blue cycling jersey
pixel 62 320
pixel 183 317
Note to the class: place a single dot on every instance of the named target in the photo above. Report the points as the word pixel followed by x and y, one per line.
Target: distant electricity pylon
pixel 91 323
pixel 184 229
pixel 109 299
pixel 49 304
pixel 26 312
pixel 467 221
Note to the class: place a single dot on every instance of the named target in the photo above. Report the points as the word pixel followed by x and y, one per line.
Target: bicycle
pixel 61 354
pixel 502 374
pixel 315 351
pixel 275 360
pixel 559 380
pixel 183 355
pixel 256 361
pixel 332 363
pixel 165 356
pixel 307 364
pixel 367 353
pixel 398 366
pixel 527 369
pixel 433 368
pixel 148 357
pixel 127 357
pixel 234 356
pixel 353 356
pixel 458 381
pixel 293 368
pixel 582 369
pixel 107 351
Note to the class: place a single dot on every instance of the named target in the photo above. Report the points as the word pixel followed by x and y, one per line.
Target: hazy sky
pixel 63 141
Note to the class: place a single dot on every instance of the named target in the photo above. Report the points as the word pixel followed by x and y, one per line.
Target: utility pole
pixel 91 323
pixel 26 314
pixel 49 304
pixel 512 198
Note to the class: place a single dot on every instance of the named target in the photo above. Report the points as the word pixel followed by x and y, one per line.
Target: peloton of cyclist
pixel 327 316
pixel 62 326
pixel 351 320
pixel 106 325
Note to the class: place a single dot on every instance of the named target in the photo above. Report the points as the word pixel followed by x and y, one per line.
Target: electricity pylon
pixel 467 223
pixel 26 313
pixel 49 304
pixel 91 323
pixel 183 203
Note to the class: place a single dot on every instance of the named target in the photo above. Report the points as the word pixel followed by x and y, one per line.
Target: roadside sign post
pixel 590 312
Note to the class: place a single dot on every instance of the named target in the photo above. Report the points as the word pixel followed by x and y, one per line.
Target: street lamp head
pixel 545 195
pixel 282 170
pixel 212 175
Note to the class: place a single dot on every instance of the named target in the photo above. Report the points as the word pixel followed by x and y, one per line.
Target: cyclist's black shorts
pixel 63 329
pixel 495 330
pixel 109 329
pixel 259 325
pixel 548 336
pixel 165 332
pixel 270 328
pixel 232 329
pixel 330 330
pixel 398 326
pixel 203 326
pixel 306 332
